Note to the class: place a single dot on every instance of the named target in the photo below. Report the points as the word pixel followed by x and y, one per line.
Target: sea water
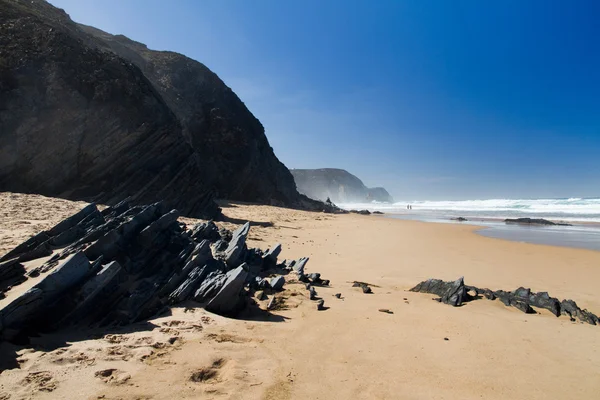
pixel 583 214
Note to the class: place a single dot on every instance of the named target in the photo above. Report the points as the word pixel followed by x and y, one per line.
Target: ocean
pixel 582 213
pixel 572 209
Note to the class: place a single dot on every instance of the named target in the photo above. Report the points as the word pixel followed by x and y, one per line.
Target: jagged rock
pixel 143 259
pixel 220 246
pixel 237 246
pixel 205 230
pixel 260 295
pixel 455 293
pixel 19 313
pixel 270 257
pixel 228 299
pixel 570 308
pixel 533 221
pixel 321 305
pixel 312 293
pixel 300 265
pixel 225 234
pixel 211 285
pixel 364 287
pixel 12 273
pixel 361 212
pixel 277 282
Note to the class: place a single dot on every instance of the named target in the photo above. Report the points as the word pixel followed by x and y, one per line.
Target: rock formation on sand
pixel 128 263
pixel 456 293
pixel 338 185
pixel 88 115
pixel 533 221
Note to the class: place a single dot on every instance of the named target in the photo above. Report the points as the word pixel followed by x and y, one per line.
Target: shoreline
pixel 350 350
pixel 576 235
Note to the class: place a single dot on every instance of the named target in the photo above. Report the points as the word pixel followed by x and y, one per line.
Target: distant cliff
pixel 88 115
pixel 337 184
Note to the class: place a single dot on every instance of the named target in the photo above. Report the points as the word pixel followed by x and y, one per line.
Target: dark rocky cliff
pixel 88 115
pixel 338 185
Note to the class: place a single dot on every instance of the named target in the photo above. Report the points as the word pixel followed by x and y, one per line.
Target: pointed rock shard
pixel 270 257
pixel 277 282
pixel 228 299
pixel 237 246
pixel 299 266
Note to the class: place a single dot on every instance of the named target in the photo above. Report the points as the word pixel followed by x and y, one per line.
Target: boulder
pixel 227 300
pixel 453 293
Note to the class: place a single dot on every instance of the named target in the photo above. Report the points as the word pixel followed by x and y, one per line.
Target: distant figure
pixel 408 207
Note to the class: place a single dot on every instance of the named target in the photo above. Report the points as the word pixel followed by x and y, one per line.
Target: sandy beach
pixel 424 350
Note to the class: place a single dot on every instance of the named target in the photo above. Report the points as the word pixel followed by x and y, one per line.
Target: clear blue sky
pixel 431 99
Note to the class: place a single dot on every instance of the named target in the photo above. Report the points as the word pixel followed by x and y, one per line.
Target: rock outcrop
pixel 338 185
pixel 88 115
pixel 533 221
pixel 128 263
pixel 456 293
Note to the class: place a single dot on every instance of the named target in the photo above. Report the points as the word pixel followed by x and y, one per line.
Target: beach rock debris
pixel 456 293
pixel 128 263
pixel 364 286
pixel 534 221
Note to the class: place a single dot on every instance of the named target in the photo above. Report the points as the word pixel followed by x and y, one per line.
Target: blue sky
pixel 431 99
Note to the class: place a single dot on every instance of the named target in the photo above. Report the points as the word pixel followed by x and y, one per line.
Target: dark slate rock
pixel 205 230
pixel 453 293
pixel 522 298
pixel 237 246
pixel 228 299
pixel 321 305
pixel 27 246
pixel 312 293
pixel 220 246
pixel 271 255
pixel 300 265
pixel 533 221
pixel 277 282
pixel 186 288
pixel 211 285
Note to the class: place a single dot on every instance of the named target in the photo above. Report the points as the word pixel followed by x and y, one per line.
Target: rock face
pixel 88 115
pixel 125 264
pixel 456 293
pixel 338 185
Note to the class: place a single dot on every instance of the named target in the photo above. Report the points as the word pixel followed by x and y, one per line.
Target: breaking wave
pixel 574 209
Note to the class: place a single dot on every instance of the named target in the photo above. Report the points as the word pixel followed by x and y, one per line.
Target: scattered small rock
pixel 385 310
pixel 321 305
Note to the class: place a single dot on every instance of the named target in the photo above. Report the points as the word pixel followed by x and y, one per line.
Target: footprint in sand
pixel 41 381
pixel 208 374
pixel 112 376
pixel 226 337
pixel 115 338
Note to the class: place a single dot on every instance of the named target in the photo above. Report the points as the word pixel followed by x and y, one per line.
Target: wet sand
pixel 351 350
